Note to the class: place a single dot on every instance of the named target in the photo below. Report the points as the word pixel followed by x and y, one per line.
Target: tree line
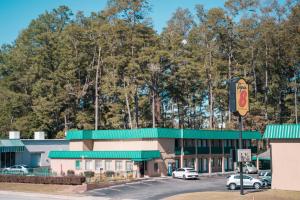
pixel 112 70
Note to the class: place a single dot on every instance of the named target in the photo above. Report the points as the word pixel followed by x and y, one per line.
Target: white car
pixel 17 169
pixel 185 173
pixel 233 182
pixel 248 168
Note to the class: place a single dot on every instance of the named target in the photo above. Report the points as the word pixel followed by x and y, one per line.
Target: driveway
pixel 159 188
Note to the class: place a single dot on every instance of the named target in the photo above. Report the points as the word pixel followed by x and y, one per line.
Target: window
pixel 129 166
pixel 156 167
pixel 78 164
pixel 219 162
pixel 204 143
pixel 119 165
pixel 89 165
pixel 108 165
pixel 98 164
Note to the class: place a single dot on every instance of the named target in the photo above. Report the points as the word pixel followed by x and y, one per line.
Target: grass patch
pixel 40 188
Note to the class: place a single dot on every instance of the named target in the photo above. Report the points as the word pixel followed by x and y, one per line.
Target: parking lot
pixel 159 188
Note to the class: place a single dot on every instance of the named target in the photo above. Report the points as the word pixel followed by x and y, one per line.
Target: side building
pixel 150 151
pixel 285 159
pixel 30 152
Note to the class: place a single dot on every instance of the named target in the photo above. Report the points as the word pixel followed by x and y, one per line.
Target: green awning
pixel 282 131
pixel 11 146
pixel 132 155
pixel 159 133
pixel 259 158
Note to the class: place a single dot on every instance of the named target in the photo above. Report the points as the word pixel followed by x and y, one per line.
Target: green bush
pixel 109 173
pixel 89 174
pixel 70 173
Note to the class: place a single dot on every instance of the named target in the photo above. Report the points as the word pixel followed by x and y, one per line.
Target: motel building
pixel 285 159
pixel 150 151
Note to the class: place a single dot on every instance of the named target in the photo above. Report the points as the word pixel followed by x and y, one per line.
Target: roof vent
pixel 39 135
pixel 14 135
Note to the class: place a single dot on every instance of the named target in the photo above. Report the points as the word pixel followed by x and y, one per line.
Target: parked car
pixel 248 168
pixel 266 176
pixel 233 182
pixel 185 173
pixel 17 169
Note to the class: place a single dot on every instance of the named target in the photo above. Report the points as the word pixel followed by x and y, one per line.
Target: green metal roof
pixel 159 133
pixel 282 131
pixel 11 146
pixel 133 155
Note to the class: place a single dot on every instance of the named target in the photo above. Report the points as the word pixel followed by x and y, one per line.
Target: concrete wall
pixel 285 164
pixel 41 147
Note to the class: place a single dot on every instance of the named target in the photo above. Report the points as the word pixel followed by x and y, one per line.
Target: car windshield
pixel 25 166
pixel 191 170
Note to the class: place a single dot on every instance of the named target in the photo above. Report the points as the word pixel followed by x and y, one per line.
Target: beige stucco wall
pixel 82 145
pixel 125 145
pixel 285 164
pixel 61 166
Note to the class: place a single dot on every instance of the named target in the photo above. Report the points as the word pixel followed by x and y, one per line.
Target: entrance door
pixel 35 160
pixel 143 168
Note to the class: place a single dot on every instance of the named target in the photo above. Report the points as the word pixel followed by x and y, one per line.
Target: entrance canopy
pixel 11 146
pixel 132 155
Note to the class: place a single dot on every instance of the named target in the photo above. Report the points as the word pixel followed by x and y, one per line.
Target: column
pixel 257 162
pixel 181 152
pixel 196 153
pixel 209 159
pixel 223 158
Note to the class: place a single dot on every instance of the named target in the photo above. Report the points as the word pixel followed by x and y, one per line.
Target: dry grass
pixel 263 195
pixel 41 188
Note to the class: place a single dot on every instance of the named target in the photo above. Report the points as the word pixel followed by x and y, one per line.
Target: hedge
pixel 64 180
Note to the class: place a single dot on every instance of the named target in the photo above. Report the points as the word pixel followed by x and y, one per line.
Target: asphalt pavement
pixel 159 188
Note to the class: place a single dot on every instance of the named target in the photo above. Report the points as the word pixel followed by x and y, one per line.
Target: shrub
pixel 67 180
pixel 70 173
pixel 89 174
pixel 109 173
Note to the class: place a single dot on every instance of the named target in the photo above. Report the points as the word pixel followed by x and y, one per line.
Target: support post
pixel 210 159
pixel 223 158
pixel 181 153
pixel 241 147
pixel 196 153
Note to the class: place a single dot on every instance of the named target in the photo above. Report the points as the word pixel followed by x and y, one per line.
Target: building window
pixel 78 164
pixel 199 143
pixel 204 143
pixel 219 162
pixel 156 167
pixel 89 165
pixel 98 164
pixel 129 166
pixel 108 165
pixel 119 165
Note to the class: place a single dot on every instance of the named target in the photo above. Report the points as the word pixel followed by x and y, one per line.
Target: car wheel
pixel 184 178
pixel 232 186
pixel 257 186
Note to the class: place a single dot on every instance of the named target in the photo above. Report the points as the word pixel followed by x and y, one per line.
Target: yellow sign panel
pixel 242 97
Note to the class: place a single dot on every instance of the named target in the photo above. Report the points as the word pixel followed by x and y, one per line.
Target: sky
pixel 15 15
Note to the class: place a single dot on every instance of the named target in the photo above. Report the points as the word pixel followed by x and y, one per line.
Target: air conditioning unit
pixel 14 135
pixel 39 135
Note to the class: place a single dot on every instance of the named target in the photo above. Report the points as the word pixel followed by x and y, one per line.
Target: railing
pixel 203 150
pixel 216 150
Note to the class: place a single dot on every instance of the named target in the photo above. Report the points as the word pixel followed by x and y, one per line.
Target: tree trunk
pixel 229 76
pixel 136 103
pixel 96 90
pixel 254 72
pixel 266 84
pixel 153 110
pixel 128 107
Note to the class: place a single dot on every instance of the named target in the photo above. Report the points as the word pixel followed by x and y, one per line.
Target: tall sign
pixel 239 105
pixel 239 97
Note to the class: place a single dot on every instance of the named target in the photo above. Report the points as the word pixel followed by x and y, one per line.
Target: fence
pixel 41 171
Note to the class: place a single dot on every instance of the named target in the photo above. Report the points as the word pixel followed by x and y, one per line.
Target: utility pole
pixel 241 163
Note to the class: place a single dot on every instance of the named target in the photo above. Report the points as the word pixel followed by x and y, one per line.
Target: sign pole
pixel 241 163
